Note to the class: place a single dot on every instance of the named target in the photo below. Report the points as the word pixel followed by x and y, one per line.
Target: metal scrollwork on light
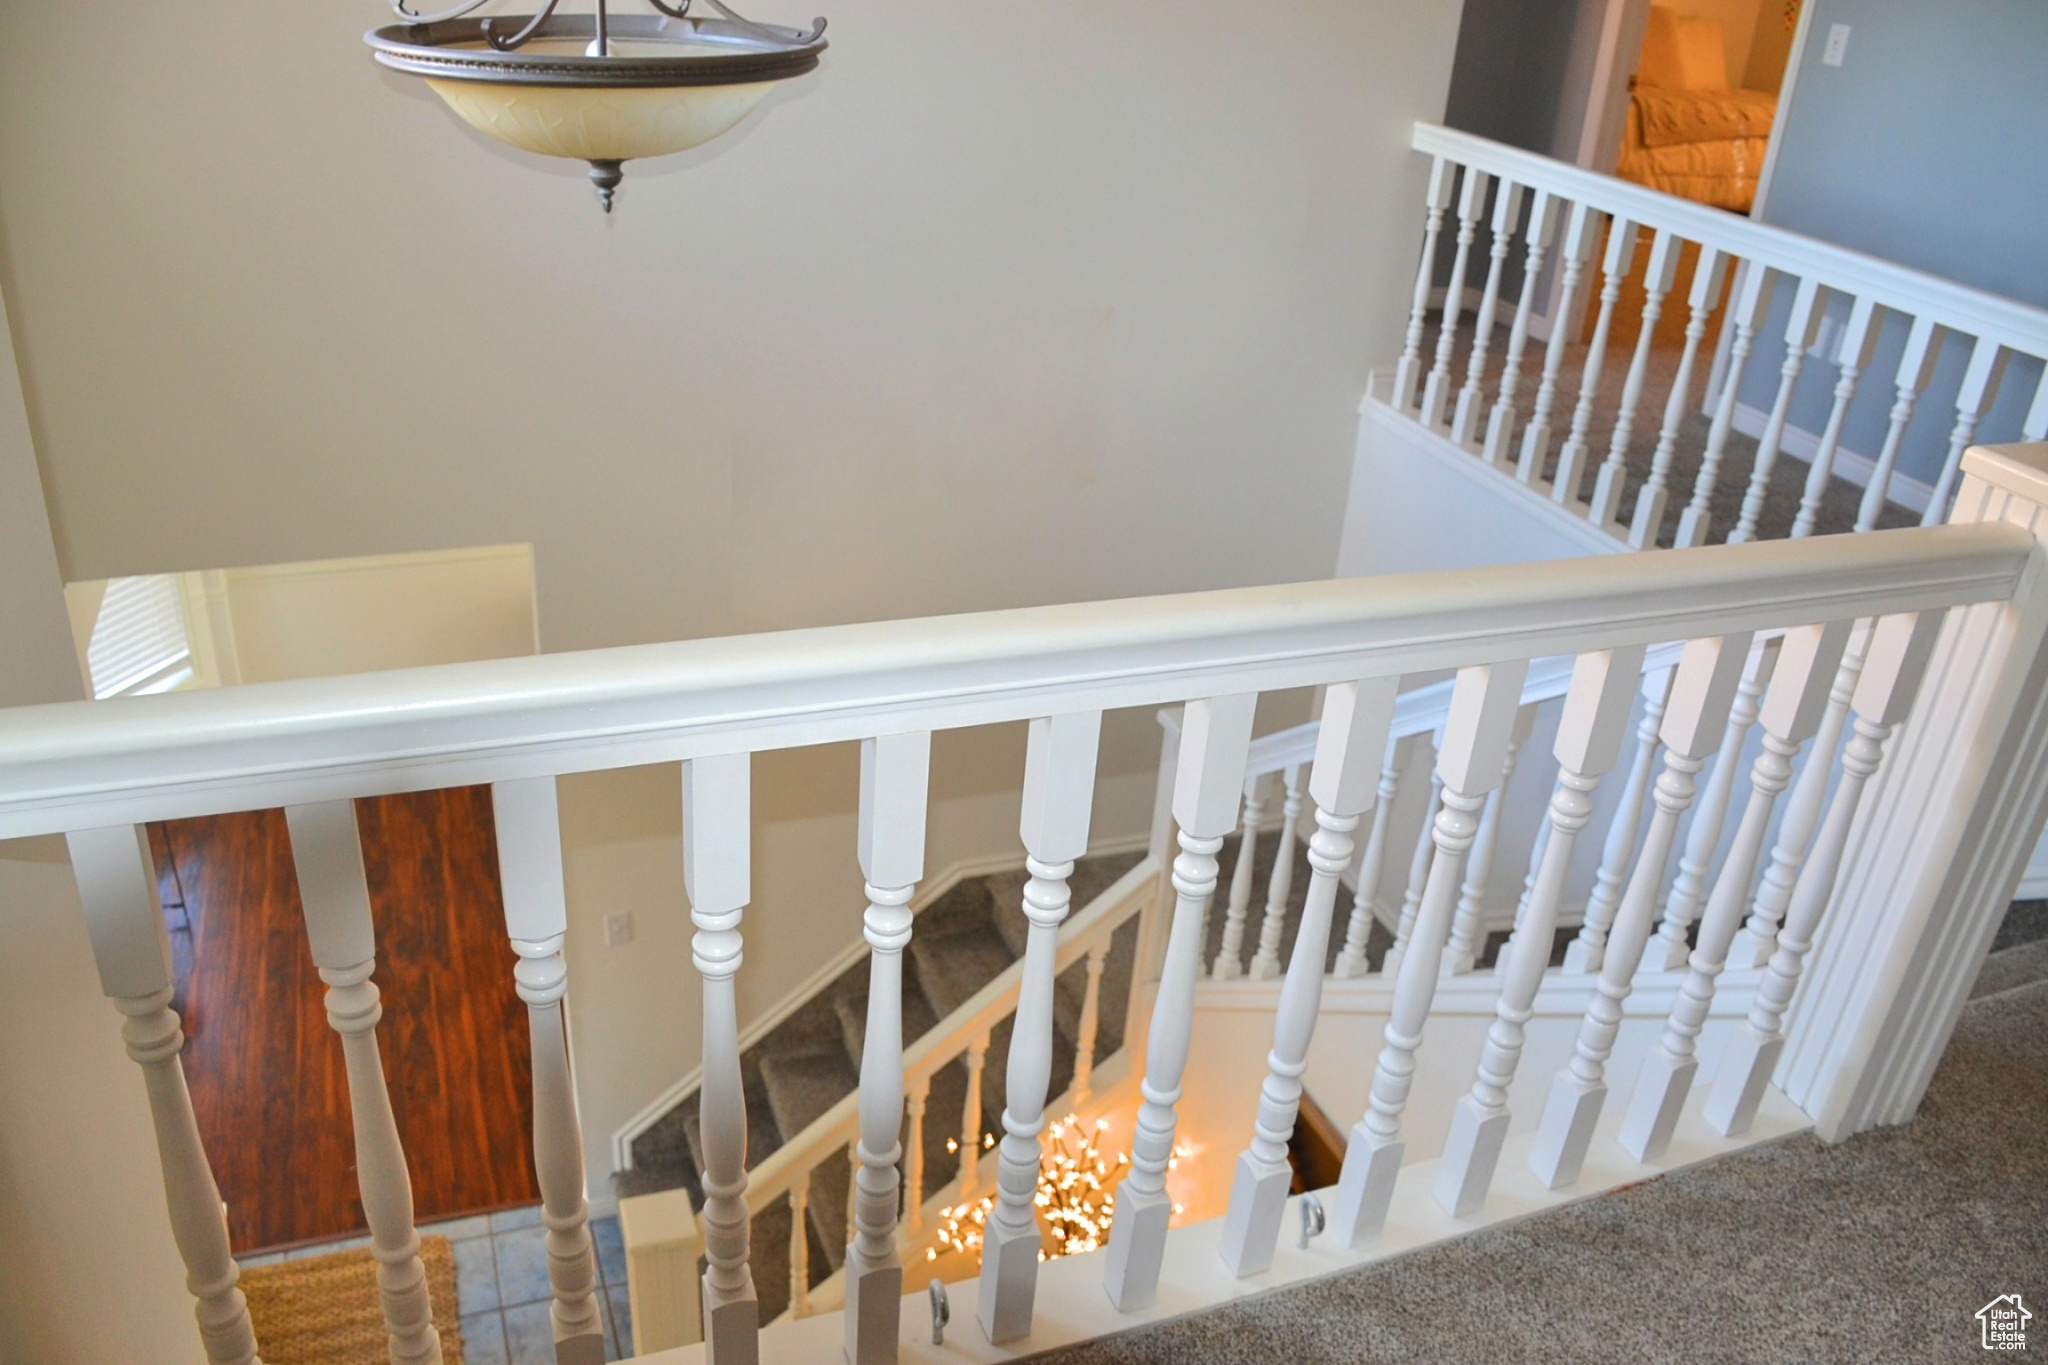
pixel 681 9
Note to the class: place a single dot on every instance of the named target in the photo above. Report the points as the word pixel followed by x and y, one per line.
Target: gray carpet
pixel 1879 1249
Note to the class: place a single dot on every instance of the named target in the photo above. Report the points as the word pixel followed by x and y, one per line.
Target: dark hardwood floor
pixel 265 1070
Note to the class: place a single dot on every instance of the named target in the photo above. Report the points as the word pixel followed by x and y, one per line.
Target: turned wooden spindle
pixel 1408 373
pixel 1500 423
pixel 1657 281
pixel 116 879
pixel 1586 950
pixel 1799 330
pixel 1980 383
pixel 1436 390
pixel 1859 335
pixel 1752 291
pixel 334 892
pixel 1702 694
pixel 1215 742
pixel 1805 667
pixel 1648 516
pixel 1090 1022
pixel 1614 268
pixel 1484 703
pixel 1468 922
pixel 1418 874
pixel 1351 959
pixel 1582 230
pixel 529 839
pixel 1894 664
pixel 1668 952
pixel 1507 215
pixel 893 793
pixel 970 1116
pixel 1059 797
pixel 1356 720
pixel 1229 963
pixel 1589 735
pixel 1915 372
pixel 1265 964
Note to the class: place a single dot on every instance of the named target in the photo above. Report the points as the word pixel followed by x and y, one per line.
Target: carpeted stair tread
pixel 2011 968
pixel 952 967
pixel 802 1084
pixel 851 1009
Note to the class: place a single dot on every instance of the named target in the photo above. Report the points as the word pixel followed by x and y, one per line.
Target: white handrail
pixel 2015 325
pixel 79 765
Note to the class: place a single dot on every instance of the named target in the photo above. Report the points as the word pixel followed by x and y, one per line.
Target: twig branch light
pixel 594 87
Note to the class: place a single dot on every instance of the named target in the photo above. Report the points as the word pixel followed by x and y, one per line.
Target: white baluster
pixel 1500 424
pixel 1229 964
pixel 1436 390
pixel 1468 923
pixel 1893 667
pixel 1614 266
pixel 1858 336
pixel 1084 1040
pixel 1916 369
pixel 1536 847
pixel 1589 735
pixel 1661 274
pixel 1418 875
pixel 1980 381
pixel 1582 230
pixel 1799 330
pixel 1059 795
pixel 1668 952
pixel 1280 884
pixel 116 879
pixel 1759 936
pixel 1585 951
pixel 335 894
pixel 1648 517
pixel 1408 373
pixel 893 772
pixel 1215 741
pixel 1507 214
pixel 1701 695
pixel 537 922
pixel 800 1247
pixel 1484 703
pixel 1752 288
pixel 1791 713
pixel 918 1094
pixel 970 1116
pixel 1353 734
pixel 1371 866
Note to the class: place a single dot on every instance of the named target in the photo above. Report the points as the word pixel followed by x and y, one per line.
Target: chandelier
pixel 594 87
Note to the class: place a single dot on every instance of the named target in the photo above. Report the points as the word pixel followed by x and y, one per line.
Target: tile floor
pixel 501 1285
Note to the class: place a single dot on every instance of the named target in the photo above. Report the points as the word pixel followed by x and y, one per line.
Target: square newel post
pixel 1215 743
pixel 1945 829
pixel 1356 720
pixel 893 793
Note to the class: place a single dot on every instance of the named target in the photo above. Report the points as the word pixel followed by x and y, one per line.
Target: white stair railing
pixel 1914 854
pixel 1825 307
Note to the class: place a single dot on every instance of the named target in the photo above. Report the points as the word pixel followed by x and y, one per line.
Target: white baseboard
pixel 929 893
pixel 1854 466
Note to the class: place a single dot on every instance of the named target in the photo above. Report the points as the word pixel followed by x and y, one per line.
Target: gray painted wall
pixel 1923 147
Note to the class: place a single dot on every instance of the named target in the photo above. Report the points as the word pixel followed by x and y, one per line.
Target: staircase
pixel 810 1061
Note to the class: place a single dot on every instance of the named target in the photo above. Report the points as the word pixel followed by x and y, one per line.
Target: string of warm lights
pixel 1076 1194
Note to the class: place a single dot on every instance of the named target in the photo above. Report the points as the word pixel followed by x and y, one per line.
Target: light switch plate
pixel 618 929
pixel 1838 45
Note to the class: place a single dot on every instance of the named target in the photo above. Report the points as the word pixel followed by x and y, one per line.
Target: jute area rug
pixel 324 1310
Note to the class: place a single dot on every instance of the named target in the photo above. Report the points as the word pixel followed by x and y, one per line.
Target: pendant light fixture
pixel 593 87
